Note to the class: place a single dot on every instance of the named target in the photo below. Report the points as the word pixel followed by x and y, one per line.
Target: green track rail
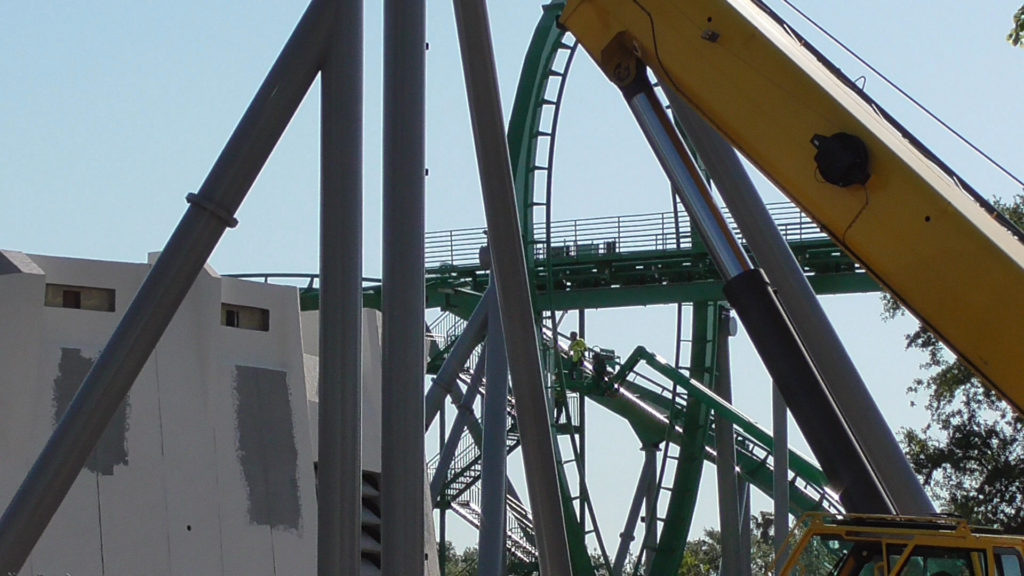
pixel 644 398
pixel 611 262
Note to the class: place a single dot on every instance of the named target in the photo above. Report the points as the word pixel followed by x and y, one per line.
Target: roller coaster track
pixel 607 262
pixel 640 391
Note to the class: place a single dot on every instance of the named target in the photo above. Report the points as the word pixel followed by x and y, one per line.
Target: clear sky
pixel 110 112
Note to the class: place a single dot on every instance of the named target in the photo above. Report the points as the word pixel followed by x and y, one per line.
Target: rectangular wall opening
pixel 245 317
pixel 79 297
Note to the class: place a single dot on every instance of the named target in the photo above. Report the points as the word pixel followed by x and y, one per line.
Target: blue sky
pixel 110 112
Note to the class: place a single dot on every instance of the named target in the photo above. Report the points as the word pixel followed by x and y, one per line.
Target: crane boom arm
pixel 933 242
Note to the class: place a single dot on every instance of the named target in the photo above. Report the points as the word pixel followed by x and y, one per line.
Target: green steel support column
pixel 580 456
pixel 686 483
pixel 579 555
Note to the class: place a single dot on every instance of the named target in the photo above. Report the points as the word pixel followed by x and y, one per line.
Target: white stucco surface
pixel 179 504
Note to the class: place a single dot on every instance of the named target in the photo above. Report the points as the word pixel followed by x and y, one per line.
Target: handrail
pixel 606 235
pixel 580 239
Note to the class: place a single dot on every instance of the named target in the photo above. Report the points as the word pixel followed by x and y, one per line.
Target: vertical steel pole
pixel 780 484
pixel 581 403
pixel 211 210
pixel 650 543
pixel 442 541
pixel 492 460
pixel 442 527
pixel 513 284
pixel 847 388
pixel 402 299
pixel 725 447
pixel 581 480
pixel 339 518
pixel 745 567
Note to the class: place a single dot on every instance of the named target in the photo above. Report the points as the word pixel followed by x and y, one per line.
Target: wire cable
pixel 903 93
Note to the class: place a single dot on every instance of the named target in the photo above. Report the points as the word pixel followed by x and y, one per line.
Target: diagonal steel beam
pixel 626 537
pixel 510 277
pixel 838 372
pixel 472 335
pixel 462 419
pixel 211 210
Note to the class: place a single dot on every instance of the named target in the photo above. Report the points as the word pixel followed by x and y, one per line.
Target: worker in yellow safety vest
pixel 577 348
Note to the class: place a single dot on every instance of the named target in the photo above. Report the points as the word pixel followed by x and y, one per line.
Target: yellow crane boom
pixel 934 243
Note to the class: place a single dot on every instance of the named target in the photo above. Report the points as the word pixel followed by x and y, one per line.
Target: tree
pixel 969 456
pixel 704 555
pixel 456 564
pixel 1016 35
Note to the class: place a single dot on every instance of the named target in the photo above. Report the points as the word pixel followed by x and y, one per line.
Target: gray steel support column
pixel 472 335
pixel 582 456
pixel 748 291
pixel 651 512
pixel 837 370
pixel 339 476
pixel 780 485
pixel 462 418
pixel 725 251
pixel 211 210
pixel 442 541
pixel 745 567
pixel 647 475
pixel 402 298
pixel 491 543
pixel 725 447
pixel 510 277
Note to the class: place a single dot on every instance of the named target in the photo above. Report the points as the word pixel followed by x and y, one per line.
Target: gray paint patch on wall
pixel 266 446
pixel 112 449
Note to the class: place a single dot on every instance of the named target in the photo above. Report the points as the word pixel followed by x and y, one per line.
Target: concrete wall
pixel 209 468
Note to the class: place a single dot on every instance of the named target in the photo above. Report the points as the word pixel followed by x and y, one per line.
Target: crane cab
pixel 864 545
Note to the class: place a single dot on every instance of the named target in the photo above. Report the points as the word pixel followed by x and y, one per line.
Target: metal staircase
pixel 520 541
pixel 460 490
pixel 370 540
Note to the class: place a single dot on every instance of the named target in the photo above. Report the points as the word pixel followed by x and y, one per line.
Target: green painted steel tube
pixel 524 122
pixel 644 410
pixel 686 483
pixel 801 465
pixel 579 555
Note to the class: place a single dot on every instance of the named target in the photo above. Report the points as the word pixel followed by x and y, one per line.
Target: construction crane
pixel 869 184
pixel 850 166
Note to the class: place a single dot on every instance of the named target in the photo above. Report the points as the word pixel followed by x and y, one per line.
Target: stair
pixel 370 540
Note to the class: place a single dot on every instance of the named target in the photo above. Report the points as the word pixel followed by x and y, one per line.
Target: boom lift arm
pixel 924 234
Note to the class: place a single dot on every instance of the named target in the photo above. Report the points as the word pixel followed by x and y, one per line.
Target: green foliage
pixel 456 564
pixel 969 456
pixel 1016 35
pixel 597 561
pixel 703 555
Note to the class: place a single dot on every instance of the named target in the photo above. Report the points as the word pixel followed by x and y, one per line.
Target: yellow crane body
pixel 927 237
